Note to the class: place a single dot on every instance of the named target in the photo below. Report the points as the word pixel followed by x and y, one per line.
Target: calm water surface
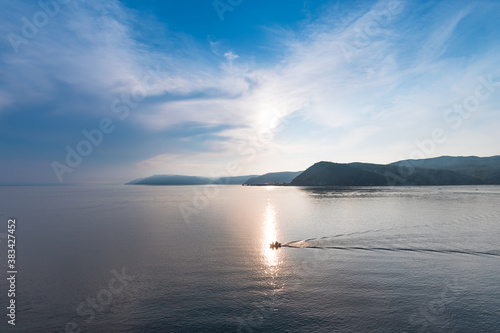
pixel 422 259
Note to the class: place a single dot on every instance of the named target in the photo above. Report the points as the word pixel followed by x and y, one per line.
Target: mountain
pixel 171 180
pixel 365 174
pixel 395 175
pixel 335 174
pixel 273 178
pixel 188 180
pixel 444 170
pixel 238 180
pixel 485 168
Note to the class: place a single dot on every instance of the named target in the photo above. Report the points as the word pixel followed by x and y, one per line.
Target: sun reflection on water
pixel 271 258
pixel 270 236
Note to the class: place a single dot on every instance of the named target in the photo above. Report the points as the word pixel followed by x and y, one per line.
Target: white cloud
pixel 358 76
pixel 374 96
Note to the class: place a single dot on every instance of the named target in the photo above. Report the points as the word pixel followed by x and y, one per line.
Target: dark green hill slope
pixel 485 168
pixel 365 174
pixel 335 174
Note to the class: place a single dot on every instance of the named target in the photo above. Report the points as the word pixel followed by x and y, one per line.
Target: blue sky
pixel 199 87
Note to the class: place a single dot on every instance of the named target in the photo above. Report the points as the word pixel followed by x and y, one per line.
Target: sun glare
pixel 270 236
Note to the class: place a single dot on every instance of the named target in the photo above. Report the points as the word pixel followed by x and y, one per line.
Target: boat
pixel 275 245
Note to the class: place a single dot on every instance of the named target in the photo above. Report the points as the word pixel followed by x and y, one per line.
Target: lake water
pixel 197 259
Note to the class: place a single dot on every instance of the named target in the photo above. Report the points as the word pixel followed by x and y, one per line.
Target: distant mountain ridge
pixel 444 170
pixel 273 178
pixel 188 180
pixel 485 168
pixel 364 174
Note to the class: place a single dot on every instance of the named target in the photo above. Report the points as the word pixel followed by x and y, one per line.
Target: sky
pixel 110 91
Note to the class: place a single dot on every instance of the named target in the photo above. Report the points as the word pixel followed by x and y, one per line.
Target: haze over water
pixel 354 259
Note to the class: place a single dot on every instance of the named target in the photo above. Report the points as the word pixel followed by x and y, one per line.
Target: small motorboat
pixel 275 245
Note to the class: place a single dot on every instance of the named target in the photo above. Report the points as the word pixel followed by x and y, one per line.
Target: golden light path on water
pixel 271 258
pixel 270 255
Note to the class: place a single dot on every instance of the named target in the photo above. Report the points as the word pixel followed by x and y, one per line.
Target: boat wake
pixel 421 239
pixel 396 249
pixel 357 233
